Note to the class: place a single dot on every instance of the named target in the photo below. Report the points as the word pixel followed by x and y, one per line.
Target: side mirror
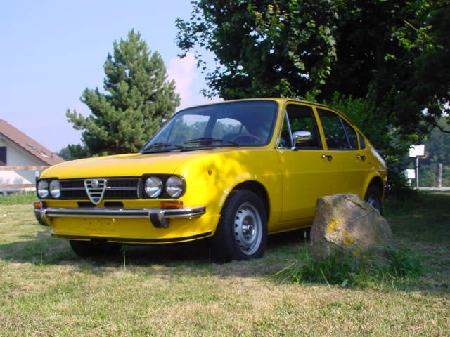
pixel 301 137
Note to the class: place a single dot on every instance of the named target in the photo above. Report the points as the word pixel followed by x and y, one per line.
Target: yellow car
pixel 233 172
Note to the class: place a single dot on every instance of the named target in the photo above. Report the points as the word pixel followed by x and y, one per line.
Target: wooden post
pixel 440 175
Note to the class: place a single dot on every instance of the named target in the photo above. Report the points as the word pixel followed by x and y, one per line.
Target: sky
pixel 50 51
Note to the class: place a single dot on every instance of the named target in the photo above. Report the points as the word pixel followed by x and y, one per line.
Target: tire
pixel 86 249
pixel 374 198
pixel 242 230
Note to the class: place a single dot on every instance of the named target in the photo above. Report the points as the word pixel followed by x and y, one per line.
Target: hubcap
pixel 248 228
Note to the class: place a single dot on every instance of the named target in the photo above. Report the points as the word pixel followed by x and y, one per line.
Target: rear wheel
pixel 242 230
pixel 374 198
pixel 87 249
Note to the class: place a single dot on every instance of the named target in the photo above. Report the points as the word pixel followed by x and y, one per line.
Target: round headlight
pixel 55 189
pixel 175 186
pixel 42 188
pixel 153 187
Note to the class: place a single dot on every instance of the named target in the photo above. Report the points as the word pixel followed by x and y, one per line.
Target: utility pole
pixel 417 172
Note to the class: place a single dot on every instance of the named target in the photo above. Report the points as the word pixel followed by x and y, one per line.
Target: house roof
pixel 28 144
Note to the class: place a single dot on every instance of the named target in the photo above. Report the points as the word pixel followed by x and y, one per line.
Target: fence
pixel 6 188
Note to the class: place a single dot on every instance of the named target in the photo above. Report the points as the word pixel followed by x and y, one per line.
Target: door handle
pixel 329 157
pixel 361 157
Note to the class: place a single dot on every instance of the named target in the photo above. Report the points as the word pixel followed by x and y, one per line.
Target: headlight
pixel 174 186
pixel 55 189
pixel 42 188
pixel 153 187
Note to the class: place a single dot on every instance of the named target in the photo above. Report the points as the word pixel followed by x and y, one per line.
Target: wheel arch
pixel 378 182
pixel 256 187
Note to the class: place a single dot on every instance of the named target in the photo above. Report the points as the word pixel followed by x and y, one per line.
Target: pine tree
pixel 137 96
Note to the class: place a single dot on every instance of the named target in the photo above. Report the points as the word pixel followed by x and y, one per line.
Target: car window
pixel 362 142
pixel 285 139
pixel 228 129
pixel 333 128
pixel 246 123
pixel 301 118
pixel 351 135
pixel 186 127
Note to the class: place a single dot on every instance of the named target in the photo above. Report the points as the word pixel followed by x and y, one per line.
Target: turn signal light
pixel 171 204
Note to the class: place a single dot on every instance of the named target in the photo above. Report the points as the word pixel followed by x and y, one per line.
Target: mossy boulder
pixel 345 222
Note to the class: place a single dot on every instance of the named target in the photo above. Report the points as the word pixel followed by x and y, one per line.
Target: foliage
pixel 137 97
pixel 437 145
pixel 390 56
pixel 73 151
pixel 388 51
pixel 263 48
pixel 437 148
pixel 348 269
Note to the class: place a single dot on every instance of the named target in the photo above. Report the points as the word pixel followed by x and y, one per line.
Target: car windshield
pixel 247 123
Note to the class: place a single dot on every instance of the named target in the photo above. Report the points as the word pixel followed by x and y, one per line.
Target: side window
pixel 362 142
pixel 351 135
pixel 301 118
pixel 285 139
pixel 2 155
pixel 333 128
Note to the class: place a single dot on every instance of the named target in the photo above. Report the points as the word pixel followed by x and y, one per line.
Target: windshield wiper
pixel 159 147
pixel 210 141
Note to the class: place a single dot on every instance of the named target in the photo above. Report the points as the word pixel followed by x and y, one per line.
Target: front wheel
pixel 242 230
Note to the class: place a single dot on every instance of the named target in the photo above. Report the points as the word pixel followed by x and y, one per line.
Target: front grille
pixel 116 188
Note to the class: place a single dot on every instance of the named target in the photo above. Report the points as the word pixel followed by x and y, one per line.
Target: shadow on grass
pixel 42 249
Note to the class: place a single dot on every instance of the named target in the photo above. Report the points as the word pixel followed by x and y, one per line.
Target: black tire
pixel 86 249
pixel 374 197
pixel 242 230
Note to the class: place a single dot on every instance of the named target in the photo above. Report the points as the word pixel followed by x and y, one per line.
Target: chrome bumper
pixel 157 216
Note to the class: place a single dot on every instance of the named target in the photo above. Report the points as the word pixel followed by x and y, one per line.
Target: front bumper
pixel 157 216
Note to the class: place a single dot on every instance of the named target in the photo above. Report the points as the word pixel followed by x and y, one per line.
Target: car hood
pixel 127 164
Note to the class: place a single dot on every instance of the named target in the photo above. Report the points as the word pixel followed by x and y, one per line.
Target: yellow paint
pixel 291 178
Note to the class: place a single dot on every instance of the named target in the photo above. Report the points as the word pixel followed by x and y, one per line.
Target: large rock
pixel 345 222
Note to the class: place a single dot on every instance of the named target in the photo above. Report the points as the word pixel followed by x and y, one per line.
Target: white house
pixel 17 149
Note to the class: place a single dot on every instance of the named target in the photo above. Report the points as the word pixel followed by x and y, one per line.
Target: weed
pixel 346 269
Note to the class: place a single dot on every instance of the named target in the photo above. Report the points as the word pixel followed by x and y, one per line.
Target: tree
pixel 73 151
pixel 384 51
pixel 383 62
pixel 136 97
pixel 263 48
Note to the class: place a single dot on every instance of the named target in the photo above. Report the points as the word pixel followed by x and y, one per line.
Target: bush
pixel 348 269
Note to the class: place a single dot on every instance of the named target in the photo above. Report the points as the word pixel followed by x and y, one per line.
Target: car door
pixel 305 173
pixel 348 169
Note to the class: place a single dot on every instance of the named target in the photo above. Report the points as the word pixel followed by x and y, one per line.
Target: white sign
pixel 416 151
pixel 410 174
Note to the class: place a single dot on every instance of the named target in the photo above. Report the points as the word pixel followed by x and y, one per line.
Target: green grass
pixel 395 268
pixel 18 198
pixel 175 291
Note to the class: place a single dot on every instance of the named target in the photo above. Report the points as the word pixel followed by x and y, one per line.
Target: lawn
pixel 175 291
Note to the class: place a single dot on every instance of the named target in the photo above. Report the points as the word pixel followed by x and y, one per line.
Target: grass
pixel 395 268
pixel 175 291
pixel 20 198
